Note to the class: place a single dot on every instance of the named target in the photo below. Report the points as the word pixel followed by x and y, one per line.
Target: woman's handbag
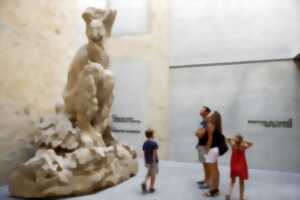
pixel 223 147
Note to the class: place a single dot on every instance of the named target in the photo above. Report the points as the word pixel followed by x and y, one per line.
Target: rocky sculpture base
pixel 63 167
pixel 89 170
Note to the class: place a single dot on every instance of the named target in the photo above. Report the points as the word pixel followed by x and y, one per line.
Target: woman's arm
pixel 210 132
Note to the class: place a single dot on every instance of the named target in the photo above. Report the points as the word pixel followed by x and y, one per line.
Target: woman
pixel 214 131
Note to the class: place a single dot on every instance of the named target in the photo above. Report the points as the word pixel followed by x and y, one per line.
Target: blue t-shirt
pixel 203 141
pixel 148 148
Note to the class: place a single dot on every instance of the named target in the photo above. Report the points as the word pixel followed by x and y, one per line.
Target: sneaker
pixel 152 190
pixel 144 188
pixel 200 182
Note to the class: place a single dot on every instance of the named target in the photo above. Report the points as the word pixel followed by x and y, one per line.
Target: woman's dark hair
pixel 207 109
pixel 149 133
pixel 216 120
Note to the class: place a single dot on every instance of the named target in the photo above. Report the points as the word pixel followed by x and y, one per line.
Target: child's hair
pixel 239 140
pixel 149 133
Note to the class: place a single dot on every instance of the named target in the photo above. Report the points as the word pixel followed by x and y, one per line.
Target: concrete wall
pixel 204 31
pixel 38 40
pixel 242 92
pixel 226 31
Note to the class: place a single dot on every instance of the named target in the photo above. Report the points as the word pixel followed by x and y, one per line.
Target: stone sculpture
pixel 76 152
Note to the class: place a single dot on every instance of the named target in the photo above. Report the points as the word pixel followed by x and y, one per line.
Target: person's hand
pixel 229 140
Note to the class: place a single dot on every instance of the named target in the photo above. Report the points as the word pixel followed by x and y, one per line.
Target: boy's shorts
pixel 201 153
pixel 152 169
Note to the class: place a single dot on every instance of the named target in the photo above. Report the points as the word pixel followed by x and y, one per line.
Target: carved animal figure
pixel 89 91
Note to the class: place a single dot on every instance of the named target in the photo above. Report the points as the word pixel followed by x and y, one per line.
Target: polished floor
pixel 177 181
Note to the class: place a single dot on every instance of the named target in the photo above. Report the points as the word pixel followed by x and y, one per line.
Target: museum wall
pixel 38 40
pixel 210 31
pixel 209 40
pixel 259 100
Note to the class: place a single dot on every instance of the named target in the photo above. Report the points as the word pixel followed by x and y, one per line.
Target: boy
pixel 150 148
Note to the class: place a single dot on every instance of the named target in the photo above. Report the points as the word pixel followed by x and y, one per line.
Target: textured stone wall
pixel 37 43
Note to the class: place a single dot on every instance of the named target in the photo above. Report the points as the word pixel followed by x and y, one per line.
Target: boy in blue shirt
pixel 150 148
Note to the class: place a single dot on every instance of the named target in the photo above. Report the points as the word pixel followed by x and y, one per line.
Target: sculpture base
pixel 83 171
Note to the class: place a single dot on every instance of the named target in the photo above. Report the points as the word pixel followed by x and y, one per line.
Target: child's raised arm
pixel 230 141
pixel 247 144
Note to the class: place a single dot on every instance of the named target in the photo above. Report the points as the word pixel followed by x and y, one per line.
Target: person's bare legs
pixel 242 188
pixel 213 180
pixel 232 182
pixel 217 175
pixel 206 173
pixel 210 178
pixel 144 184
pixel 211 175
pixel 152 181
pixel 146 179
pixel 214 176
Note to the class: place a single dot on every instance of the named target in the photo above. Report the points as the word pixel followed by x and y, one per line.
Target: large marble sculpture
pixel 76 152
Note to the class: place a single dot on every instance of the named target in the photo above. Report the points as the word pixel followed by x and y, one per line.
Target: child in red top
pixel 238 165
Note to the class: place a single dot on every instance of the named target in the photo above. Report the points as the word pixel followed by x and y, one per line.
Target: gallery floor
pixel 177 181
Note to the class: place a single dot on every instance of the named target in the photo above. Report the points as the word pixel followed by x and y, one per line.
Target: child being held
pixel 238 165
pixel 150 148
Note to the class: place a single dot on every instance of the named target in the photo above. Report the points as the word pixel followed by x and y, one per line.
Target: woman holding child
pixel 214 142
pixel 215 147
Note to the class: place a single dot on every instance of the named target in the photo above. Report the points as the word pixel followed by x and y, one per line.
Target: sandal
pixel 151 190
pixel 212 193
